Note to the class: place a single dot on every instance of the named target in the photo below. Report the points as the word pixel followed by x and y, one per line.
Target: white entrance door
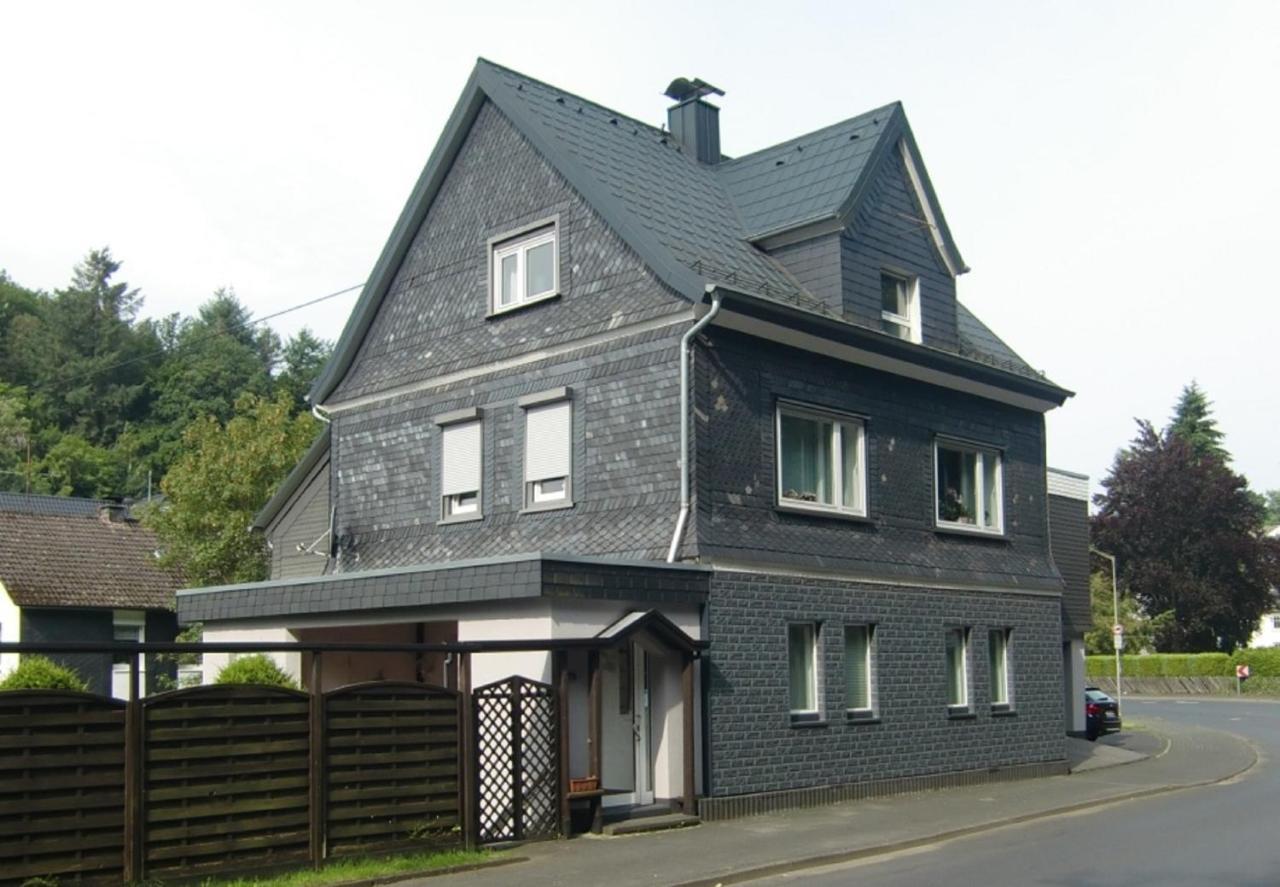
pixel 641 722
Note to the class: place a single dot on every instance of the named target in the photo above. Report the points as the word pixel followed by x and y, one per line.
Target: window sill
pixel 1003 710
pixel 858 718
pixel 527 303
pixel 799 508
pixel 961 713
pixel 970 532
pixel 538 507
pixel 460 519
pixel 808 722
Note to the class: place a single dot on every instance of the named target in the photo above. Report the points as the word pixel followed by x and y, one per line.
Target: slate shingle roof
pixel 61 553
pixel 693 224
pixel 806 178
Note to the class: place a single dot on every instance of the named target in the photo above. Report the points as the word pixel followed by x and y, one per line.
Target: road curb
pixel 755 873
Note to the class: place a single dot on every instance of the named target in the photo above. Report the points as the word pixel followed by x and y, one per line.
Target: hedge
pixel 42 673
pixel 258 669
pixel 1262 663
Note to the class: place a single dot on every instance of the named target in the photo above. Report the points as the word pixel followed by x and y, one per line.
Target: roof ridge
pixel 658 130
pixel 890 108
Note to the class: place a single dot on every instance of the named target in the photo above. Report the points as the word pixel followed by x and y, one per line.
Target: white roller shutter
pixel 460 458
pixel 548 441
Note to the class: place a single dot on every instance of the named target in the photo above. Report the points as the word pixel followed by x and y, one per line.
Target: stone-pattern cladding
pixel 890 232
pixel 756 748
pixel 1069 538
pixel 434 318
pixel 625 483
pixel 739 382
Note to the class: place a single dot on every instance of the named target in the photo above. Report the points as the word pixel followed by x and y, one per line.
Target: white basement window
pixel 859 676
pixel 548 455
pixel 957 669
pixel 821 460
pixel 802 670
pixel 525 269
pixel 461 455
pixel 969 494
pixel 998 654
pixel 900 306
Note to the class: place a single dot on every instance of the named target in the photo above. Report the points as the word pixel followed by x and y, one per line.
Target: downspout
pixel 686 342
pixel 318 412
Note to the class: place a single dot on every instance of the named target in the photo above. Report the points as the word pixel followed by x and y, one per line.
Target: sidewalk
pixel 1170 757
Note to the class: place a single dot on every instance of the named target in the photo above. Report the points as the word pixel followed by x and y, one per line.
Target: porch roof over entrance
pixel 653 623
pixel 458 582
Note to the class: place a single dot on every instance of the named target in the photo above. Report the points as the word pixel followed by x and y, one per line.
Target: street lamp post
pixel 1116 640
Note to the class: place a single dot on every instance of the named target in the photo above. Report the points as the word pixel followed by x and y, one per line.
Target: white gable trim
pixel 927 207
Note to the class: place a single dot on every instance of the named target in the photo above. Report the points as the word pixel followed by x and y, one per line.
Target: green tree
pixel 15 436
pixel 304 356
pixel 75 467
pixel 1193 422
pixel 259 669
pixel 1187 536
pixel 1140 630
pixel 1271 504
pixel 224 476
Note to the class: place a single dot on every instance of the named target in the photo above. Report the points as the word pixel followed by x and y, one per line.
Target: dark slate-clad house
pixel 603 372
pixel 82 570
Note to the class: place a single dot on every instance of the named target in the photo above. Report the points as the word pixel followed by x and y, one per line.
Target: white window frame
pixel 869 710
pixel 462 505
pixel 979 481
pixel 537 496
pixel 909 322
pixel 519 245
pixel 841 424
pixel 1002 689
pixel 814 687
pixel 962 705
pixel 135 622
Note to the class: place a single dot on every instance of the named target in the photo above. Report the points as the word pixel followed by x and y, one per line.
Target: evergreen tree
pixel 304 357
pixel 1193 422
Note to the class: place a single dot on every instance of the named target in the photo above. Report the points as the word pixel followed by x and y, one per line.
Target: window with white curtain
pixel 548 454
pixel 461 459
pixel 998 655
pixel 821 460
pixel 803 672
pixel 957 644
pixel 524 269
pixel 968 487
pixel 859 670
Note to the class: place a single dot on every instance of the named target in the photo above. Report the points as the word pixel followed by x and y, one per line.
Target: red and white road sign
pixel 1242 671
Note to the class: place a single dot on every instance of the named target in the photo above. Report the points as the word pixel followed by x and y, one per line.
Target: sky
pixel 1107 169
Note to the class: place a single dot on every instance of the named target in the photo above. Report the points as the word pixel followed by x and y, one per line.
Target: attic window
pixel 524 269
pixel 900 306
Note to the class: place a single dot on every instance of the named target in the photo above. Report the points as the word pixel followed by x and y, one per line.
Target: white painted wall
pixel 10 630
pixel 1268 633
pixel 519 620
pixel 262 634
pixel 1073 669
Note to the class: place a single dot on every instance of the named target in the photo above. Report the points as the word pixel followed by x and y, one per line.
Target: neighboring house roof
pixel 693 224
pixel 62 552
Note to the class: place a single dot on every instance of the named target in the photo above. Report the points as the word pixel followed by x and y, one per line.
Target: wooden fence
pixel 222 779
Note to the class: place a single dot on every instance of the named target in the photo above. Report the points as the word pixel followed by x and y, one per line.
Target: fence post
pixel 467 735
pixel 517 757
pixel 133 779
pixel 316 766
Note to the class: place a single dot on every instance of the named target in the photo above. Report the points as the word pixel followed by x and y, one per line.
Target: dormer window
pixel 524 269
pixel 899 306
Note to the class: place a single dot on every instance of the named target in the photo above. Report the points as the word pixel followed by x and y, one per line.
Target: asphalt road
pixel 1226 834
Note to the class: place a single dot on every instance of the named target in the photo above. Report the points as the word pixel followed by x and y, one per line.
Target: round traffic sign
pixel 1117 629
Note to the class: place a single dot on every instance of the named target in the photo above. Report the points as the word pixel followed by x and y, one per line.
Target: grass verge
pixel 365 869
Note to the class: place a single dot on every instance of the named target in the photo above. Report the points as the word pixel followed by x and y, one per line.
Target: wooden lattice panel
pixel 517 758
pixel 226 780
pixel 61 787
pixel 392 767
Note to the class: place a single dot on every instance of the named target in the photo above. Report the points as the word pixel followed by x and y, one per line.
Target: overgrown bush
pixel 42 673
pixel 256 669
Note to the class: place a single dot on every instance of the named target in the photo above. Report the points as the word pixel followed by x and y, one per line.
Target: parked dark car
pixel 1101 713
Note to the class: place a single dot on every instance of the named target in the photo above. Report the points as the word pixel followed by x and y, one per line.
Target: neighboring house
pixel 81 570
pixel 865 539
pixel 1268 633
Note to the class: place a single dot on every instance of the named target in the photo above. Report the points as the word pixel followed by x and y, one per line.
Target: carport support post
pixel 594 732
pixel 560 672
pixel 686 723
pixel 470 751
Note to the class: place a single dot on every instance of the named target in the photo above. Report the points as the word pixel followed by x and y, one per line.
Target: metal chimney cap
pixel 682 89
